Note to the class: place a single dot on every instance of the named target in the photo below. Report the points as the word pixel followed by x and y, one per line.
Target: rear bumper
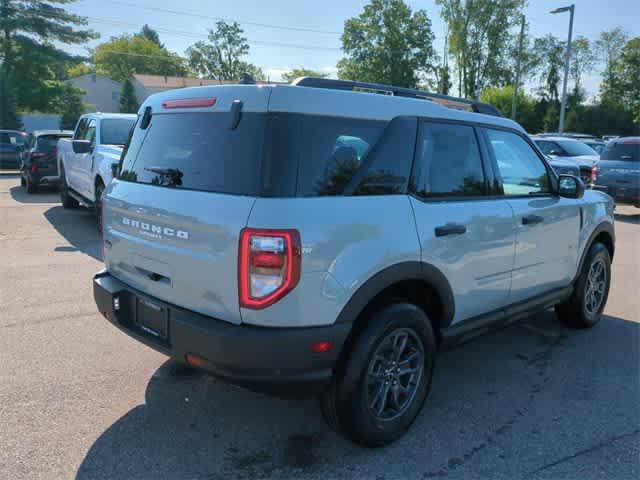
pixel 272 360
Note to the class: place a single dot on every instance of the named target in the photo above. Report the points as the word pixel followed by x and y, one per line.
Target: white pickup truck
pixel 85 162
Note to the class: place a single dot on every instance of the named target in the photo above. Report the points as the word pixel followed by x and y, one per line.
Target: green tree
pixel 479 31
pixel 583 59
pixel 301 72
pixel 122 56
pixel 9 117
pixel 29 33
pixel 628 75
pixel 502 97
pixel 550 61
pixel 222 56
pixel 150 34
pixel 128 100
pixel 551 117
pixel 608 48
pixel 444 80
pixel 79 70
pixel 71 106
pixel 388 43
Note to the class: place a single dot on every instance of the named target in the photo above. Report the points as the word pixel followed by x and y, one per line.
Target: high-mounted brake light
pixel 189 103
pixel 268 266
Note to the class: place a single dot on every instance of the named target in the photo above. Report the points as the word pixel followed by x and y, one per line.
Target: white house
pixel 101 93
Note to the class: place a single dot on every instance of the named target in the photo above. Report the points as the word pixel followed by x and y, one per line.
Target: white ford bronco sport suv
pixel 330 236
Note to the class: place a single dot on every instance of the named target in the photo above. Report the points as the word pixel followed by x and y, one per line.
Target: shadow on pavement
pixel 48 194
pixel 518 403
pixel 78 227
pixel 628 218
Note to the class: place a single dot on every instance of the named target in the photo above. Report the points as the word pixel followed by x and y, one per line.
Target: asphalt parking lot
pixel 79 399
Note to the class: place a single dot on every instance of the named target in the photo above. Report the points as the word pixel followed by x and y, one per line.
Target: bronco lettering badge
pixel 155 231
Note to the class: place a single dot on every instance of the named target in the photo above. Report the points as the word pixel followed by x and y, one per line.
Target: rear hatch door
pixel 619 170
pixel 187 185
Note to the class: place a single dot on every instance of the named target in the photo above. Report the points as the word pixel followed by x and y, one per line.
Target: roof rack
pixel 445 100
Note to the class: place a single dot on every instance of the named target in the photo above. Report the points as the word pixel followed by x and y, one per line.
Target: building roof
pixel 161 81
pixel 96 75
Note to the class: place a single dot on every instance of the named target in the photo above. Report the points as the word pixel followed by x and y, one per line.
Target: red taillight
pixel 594 174
pixel 268 266
pixel 321 347
pixel 189 103
pixel 34 168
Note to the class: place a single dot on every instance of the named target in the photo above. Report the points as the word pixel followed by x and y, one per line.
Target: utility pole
pixel 563 104
pixel 518 66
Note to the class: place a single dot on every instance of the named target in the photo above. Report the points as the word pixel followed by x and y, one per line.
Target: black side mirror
pixel 81 146
pixel 570 187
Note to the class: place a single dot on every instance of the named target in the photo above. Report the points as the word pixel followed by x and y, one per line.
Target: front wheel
pixel 386 378
pixel 585 306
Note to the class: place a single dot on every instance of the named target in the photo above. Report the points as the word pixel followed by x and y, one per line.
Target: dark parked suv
pixel 12 143
pixel 39 165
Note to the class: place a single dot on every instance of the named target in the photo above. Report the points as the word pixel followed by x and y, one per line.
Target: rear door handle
pixel 532 219
pixel 450 229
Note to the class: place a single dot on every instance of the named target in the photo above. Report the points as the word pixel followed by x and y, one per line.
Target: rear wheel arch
pixel 418 283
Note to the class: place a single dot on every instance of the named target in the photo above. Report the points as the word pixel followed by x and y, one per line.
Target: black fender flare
pixel 411 270
pixel 606 227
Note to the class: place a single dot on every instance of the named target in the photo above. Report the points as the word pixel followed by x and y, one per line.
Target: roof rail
pixel 445 100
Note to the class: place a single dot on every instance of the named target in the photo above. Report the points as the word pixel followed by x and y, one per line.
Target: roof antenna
pixel 247 79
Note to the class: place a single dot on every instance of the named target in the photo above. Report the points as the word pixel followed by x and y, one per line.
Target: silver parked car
pixel 320 237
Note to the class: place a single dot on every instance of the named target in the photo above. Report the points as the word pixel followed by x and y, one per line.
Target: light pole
pixel 563 103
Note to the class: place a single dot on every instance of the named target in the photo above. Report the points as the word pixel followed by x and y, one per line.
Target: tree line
pixel 387 42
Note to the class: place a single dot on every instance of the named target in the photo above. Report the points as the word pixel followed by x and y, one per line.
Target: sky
pixel 285 34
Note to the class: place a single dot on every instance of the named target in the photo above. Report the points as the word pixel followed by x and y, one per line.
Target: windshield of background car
pixel 575 148
pixel 622 151
pixel 14 138
pixel 49 143
pixel 115 131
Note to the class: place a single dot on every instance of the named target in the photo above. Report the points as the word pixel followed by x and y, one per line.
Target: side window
pixel 331 151
pixel 448 162
pixel 621 151
pixel 388 173
pixel 81 130
pixel 521 170
pixel 545 146
pixel 91 132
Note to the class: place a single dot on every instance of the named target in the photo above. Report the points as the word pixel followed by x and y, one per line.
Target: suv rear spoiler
pixel 444 100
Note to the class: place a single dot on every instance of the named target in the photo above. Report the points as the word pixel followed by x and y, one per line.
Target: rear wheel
pixel 585 306
pixel 23 183
pixel 98 204
pixel 386 378
pixel 66 200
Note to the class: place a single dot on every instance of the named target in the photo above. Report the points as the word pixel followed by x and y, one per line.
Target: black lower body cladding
pixel 271 360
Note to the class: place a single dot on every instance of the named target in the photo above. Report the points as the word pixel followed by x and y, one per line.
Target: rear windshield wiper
pixel 173 175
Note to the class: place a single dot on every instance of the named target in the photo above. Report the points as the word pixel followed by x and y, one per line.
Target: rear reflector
pixel 195 361
pixel 321 347
pixel 190 103
pixel 268 266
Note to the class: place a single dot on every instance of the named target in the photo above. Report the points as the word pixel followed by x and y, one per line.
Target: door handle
pixel 532 219
pixel 450 229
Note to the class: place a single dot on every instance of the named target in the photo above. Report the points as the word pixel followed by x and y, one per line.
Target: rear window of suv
pixel 267 154
pixel 621 151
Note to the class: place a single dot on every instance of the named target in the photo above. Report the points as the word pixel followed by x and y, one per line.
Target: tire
pixel 98 204
pixel 29 186
pixel 360 401
pixel 585 306
pixel 66 200
pixel 22 182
